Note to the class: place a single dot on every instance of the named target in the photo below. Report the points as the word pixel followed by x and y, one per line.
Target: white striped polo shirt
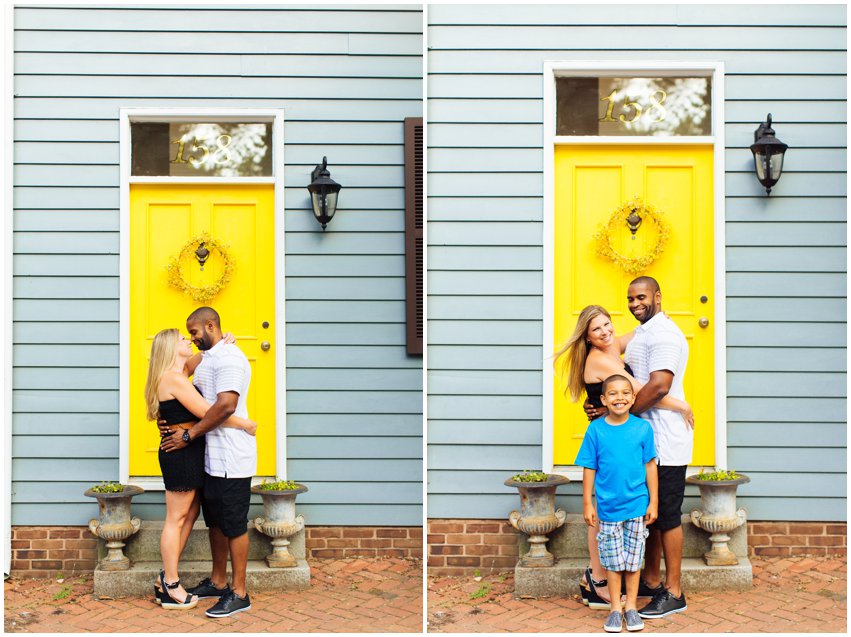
pixel 231 453
pixel 659 344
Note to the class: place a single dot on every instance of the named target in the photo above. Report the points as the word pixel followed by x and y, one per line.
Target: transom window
pixel 201 149
pixel 636 106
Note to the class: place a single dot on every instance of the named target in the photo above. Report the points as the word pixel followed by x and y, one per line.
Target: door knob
pixel 703 321
pixel 265 345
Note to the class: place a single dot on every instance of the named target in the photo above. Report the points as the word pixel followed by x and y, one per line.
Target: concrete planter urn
pixel 537 517
pixel 718 516
pixel 115 525
pixel 280 522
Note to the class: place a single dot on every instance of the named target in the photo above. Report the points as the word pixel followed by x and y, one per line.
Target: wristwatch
pixel 186 437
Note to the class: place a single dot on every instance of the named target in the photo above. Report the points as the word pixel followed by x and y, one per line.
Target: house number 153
pixel 220 154
pixel 655 111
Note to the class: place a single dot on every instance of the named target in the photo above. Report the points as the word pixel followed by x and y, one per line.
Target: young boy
pixel 618 456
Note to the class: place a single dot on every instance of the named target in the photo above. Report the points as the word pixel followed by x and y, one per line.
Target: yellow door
pixel 163 218
pixel 592 182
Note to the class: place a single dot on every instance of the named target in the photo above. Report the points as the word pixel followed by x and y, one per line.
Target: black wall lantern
pixel 323 193
pixel 767 155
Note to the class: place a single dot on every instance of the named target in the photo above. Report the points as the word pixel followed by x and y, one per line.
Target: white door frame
pixel 619 68
pixel 276 116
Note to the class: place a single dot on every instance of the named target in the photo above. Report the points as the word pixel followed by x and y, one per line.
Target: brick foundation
pixel 784 539
pixel 44 551
pixel 461 547
pixel 364 541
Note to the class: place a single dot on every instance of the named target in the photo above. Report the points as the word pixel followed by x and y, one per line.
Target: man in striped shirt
pixel 657 354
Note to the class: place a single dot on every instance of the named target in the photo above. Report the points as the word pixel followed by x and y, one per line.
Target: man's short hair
pixel 613 378
pixel 204 314
pixel 649 281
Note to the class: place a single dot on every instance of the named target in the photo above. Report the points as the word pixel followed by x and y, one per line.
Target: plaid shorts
pixel 621 544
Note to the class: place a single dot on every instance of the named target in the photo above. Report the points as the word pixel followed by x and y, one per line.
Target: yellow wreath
pixel 605 236
pixel 200 294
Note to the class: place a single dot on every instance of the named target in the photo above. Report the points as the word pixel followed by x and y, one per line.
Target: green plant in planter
pixel 108 487
pixel 280 485
pixel 528 475
pixel 717 476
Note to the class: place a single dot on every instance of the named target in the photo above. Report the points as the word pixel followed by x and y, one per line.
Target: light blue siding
pixel 354 397
pixel 785 254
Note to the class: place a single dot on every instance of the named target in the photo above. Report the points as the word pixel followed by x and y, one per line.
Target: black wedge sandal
pixel 583 589
pixel 168 602
pixel 158 592
pixel 595 600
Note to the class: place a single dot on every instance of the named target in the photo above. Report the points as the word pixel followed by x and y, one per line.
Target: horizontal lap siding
pixel 347 78
pixel 785 255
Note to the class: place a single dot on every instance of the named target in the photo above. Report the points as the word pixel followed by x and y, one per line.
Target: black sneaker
pixel 662 605
pixel 645 590
pixel 206 590
pixel 229 604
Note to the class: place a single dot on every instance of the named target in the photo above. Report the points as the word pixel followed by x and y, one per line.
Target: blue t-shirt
pixel 618 454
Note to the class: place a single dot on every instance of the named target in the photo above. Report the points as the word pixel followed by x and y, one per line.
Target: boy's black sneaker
pixel 662 605
pixel 229 604
pixel 645 590
pixel 206 590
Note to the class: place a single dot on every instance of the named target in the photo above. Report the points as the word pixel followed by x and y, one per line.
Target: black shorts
pixel 672 488
pixel 225 504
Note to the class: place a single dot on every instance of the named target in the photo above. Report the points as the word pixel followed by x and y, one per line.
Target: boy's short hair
pixel 613 378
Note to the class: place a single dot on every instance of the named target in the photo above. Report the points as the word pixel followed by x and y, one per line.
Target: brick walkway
pixel 797 594
pixel 346 595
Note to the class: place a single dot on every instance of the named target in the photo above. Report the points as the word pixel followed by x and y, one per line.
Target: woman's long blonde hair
pixel 573 353
pixel 163 352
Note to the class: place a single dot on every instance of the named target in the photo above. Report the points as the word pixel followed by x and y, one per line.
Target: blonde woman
pixel 171 396
pixel 590 355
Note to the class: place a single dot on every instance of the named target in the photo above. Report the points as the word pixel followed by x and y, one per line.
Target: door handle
pixel 265 345
pixel 703 321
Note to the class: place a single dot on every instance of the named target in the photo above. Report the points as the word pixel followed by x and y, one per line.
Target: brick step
pixel 563 578
pixel 144 546
pixel 570 541
pixel 138 581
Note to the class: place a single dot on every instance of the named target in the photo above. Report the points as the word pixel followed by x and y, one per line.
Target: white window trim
pixel 202 180
pixel 593 68
pixel 276 116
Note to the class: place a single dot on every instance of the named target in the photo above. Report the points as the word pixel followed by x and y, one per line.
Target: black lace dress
pixel 595 390
pixel 183 470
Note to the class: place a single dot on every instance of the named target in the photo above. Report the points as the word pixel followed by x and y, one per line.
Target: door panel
pixel 593 181
pixel 162 219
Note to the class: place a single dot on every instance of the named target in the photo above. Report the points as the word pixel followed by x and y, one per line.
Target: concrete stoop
pixel 143 549
pixel 570 546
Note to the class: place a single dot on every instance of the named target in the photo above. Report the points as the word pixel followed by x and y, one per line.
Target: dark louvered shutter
pixel 414 233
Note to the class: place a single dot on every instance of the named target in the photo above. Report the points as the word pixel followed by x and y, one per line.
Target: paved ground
pixel 346 595
pixel 796 594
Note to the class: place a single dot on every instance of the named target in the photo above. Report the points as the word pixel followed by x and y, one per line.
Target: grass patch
pixel 63 594
pixel 483 591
